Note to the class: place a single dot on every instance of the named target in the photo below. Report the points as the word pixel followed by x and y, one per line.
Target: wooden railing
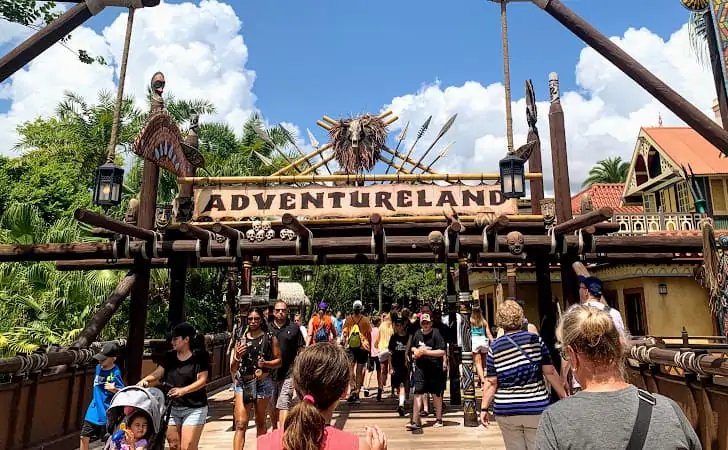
pixel 42 405
pixel 643 223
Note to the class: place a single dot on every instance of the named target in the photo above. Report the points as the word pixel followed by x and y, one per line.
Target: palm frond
pixel 698 37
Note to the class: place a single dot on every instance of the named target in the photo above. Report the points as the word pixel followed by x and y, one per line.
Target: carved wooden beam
pixel 99 220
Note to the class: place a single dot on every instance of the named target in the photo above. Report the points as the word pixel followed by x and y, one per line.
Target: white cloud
pixel 602 118
pixel 198 47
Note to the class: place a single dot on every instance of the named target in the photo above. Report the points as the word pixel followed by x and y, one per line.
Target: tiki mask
pixel 554 87
pixel 182 209
pixel 131 212
pixel 514 239
pixel 355 132
pixel 158 83
pixel 548 209
pixel 586 203
pixel 163 215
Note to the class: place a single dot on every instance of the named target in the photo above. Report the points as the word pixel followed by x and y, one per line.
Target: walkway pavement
pixel 218 432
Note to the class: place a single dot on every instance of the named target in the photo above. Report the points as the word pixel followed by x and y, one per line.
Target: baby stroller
pixel 152 402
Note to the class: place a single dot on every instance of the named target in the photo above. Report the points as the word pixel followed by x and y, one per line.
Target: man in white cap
pixel 357 338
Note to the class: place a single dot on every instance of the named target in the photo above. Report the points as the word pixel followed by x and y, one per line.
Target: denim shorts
pixel 184 416
pixel 263 388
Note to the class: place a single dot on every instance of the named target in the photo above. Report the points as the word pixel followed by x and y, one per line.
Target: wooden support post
pixel 455 353
pixel 512 285
pixel 663 93
pixel 715 53
pixel 562 188
pixel 470 416
pixel 230 296
pixel 378 232
pixel 106 312
pixel 246 278
pixel 140 291
pixel 535 165
pixel 273 287
pixel 583 221
pixel 547 311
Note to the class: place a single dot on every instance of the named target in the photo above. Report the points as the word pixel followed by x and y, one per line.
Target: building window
pixel 667 200
pixel 684 199
pixel 634 303
pixel 718 194
pixel 649 202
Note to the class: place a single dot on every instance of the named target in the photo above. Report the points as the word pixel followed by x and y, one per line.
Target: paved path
pixel 218 432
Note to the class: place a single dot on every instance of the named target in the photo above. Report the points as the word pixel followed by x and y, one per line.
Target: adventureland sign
pixel 234 203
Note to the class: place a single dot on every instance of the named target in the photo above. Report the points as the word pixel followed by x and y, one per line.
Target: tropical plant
pixel 610 170
pixel 39 305
pixel 698 37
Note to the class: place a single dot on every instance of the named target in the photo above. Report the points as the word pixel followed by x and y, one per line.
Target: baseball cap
pixel 183 330
pixel 425 318
pixel 323 306
pixel 358 305
pixel 398 319
pixel 109 350
pixel 592 284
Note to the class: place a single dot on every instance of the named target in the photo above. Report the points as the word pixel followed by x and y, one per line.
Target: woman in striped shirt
pixel 516 365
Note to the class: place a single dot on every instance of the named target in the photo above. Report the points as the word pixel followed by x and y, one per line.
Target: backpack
pixel 355 336
pixel 322 333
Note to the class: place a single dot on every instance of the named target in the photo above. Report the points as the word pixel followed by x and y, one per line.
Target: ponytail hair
pixel 320 376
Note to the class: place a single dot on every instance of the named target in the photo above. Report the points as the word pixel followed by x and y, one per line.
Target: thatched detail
pixel 357 142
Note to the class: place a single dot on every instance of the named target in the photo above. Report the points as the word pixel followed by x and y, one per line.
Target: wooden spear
pixel 442 153
pixel 420 132
pixel 400 138
pixel 445 128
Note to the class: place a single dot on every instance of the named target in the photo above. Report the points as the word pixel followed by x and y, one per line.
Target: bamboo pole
pixel 313 168
pixel 303 159
pixel 350 178
pixel 105 313
pixel 520 219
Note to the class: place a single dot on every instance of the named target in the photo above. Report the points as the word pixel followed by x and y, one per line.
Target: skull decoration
pixel 548 209
pixel 355 132
pixel 250 234
pixel 260 235
pixel 514 239
pixel 270 233
pixel 265 225
pixel 257 225
pixel 287 234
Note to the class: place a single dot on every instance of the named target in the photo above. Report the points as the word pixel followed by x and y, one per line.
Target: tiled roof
pixel 604 194
pixel 685 146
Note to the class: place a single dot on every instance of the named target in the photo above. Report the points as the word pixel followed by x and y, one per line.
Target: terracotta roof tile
pixel 604 194
pixel 685 146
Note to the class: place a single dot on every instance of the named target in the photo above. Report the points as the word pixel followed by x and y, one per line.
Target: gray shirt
pixel 604 420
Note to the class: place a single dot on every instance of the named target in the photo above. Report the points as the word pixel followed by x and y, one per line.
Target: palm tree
pixel 39 305
pixel 698 36
pixel 610 170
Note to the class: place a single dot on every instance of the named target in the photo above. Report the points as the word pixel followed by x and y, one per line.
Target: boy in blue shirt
pixel 107 381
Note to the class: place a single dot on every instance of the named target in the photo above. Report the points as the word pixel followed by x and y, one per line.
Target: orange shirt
pixel 365 329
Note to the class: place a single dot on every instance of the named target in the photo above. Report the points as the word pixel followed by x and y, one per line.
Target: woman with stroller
pixel 256 354
pixel 320 377
pixel 184 369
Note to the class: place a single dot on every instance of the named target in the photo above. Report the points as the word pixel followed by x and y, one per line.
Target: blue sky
pixel 340 57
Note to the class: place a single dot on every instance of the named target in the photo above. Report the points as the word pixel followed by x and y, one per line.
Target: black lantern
pixel 438 273
pixel 512 176
pixel 108 185
pixel 307 274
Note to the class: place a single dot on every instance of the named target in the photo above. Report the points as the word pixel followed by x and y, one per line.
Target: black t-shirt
pixel 183 373
pixel 434 341
pixel 260 346
pixel 290 340
pixel 398 348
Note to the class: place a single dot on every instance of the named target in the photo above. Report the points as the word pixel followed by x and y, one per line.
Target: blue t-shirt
pixel 96 412
pixel 339 324
pixel 521 388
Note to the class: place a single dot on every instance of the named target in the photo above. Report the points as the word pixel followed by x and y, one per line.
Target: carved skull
pixel 265 225
pixel 355 132
pixel 286 234
pixel 260 235
pixel 548 209
pixel 514 239
pixel 270 233
pixel 257 225
pixel 250 234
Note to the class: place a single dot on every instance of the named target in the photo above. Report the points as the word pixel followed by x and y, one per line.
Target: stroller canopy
pixel 149 400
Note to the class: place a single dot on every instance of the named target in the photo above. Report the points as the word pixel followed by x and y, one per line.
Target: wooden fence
pixel 43 408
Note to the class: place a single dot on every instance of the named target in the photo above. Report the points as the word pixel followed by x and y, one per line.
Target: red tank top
pixel 334 439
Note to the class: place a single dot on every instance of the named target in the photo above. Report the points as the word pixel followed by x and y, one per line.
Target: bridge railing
pixel 44 396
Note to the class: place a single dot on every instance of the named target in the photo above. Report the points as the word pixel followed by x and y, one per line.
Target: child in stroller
pixel 137 419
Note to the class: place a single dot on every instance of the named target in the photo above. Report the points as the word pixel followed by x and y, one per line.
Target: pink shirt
pixel 334 439
pixel 375 333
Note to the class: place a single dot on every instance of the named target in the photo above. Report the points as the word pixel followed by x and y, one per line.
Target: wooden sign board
pixel 236 203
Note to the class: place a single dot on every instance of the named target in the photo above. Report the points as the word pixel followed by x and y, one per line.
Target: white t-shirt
pixel 613 313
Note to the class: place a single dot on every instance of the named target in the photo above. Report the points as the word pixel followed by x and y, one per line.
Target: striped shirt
pixel 521 387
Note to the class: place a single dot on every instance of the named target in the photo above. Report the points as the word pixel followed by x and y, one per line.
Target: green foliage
pixel 610 170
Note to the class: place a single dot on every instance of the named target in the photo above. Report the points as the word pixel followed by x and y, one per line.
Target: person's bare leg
pixel 261 409
pixel 360 370
pixel 282 414
pixel 437 400
pixel 173 437
pixel 384 372
pixel 478 357
pixel 352 385
pixel 85 443
pixel 190 437
pixel 241 415
pixel 416 406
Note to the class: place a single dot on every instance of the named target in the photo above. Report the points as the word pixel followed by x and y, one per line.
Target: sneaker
pixel 366 392
pixel 379 395
pixel 413 427
pixel 400 410
pixel 438 424
pixel 425 413
pixel 352 397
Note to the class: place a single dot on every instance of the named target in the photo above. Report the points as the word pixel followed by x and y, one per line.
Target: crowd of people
pixel 290 375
